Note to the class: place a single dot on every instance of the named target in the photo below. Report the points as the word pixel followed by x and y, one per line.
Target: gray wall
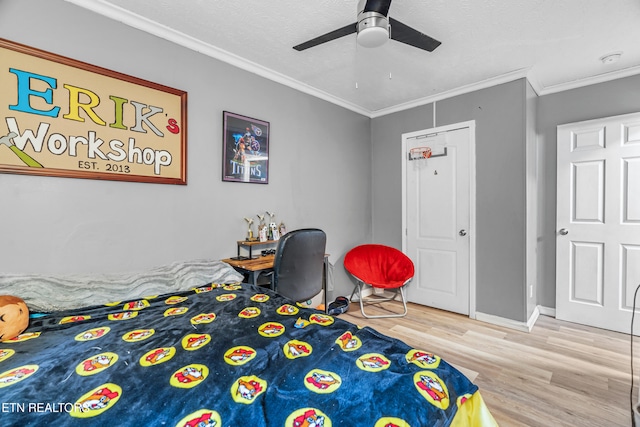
pixel 500 161
pixel 386 151
pixel 612 98
pixel 318 174
pixel 516 180
pixel 75 225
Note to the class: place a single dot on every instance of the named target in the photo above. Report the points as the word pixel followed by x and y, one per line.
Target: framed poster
pixel 62 117
pixel 245 153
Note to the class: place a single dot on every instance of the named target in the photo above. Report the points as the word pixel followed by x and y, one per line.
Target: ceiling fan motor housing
pixel 373 29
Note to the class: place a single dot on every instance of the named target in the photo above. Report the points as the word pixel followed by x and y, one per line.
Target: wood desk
pixel 252 243
pixel 253 268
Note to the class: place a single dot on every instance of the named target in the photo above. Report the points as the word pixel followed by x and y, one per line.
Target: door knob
pixel 462 232
pixel 563 231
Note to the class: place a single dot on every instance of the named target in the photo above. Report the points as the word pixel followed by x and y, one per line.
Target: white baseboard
pixel 510 323
pixel 533 318
pixel 367 292
pixel 378 292
pixel 547 311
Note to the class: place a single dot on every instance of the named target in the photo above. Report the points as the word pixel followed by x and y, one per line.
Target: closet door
pixel 598 221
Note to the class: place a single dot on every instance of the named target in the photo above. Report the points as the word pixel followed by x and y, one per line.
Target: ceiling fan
pixel 374 28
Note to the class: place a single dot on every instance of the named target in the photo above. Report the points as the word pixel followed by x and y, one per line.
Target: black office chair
pixel 299 263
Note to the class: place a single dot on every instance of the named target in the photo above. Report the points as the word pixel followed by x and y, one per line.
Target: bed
pixel 222 353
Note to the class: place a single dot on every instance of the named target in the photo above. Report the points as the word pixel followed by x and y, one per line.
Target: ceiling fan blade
pixel 336 34
pixel 380 6
pixel 407 35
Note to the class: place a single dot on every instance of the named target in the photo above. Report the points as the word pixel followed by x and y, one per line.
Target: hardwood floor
pixel 560 374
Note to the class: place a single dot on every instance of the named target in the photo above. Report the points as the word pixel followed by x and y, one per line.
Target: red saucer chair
pixel 382 267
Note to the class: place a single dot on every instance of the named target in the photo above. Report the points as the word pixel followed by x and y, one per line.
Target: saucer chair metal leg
pixel 358 289
pixel 404 302
pixel 404 305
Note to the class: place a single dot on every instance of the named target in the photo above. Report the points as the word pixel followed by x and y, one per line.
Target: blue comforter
pixel 219 355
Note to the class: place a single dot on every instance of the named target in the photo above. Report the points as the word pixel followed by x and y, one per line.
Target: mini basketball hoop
pixel 418 153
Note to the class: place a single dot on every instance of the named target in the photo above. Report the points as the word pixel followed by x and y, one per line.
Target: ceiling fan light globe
pixel 372 37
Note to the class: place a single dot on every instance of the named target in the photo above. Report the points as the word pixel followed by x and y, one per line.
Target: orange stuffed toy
pixel 14 317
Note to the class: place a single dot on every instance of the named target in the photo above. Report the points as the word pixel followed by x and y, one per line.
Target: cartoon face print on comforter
pixel 219 355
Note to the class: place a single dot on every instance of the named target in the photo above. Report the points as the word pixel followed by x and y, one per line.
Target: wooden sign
pixel 61 117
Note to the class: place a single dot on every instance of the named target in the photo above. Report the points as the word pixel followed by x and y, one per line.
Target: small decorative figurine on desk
pixel 262 229
pixel 282 228
pixel 274 234
pixel 249 231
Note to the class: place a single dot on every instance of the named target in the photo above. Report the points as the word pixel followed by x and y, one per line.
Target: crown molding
pixel 600 78
pixel 504 78
pixel 144 24
pixel 509 77
pixel 119 14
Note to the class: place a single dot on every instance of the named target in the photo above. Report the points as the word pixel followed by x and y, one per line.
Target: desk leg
pixel 253 277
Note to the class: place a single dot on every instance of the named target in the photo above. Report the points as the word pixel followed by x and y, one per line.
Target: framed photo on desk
pixel 245 154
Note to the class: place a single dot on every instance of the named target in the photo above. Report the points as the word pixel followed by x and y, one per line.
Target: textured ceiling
pixel 557 44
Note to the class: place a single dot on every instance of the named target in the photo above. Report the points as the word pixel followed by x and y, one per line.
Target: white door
pixel 598 221
pixel 437 212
